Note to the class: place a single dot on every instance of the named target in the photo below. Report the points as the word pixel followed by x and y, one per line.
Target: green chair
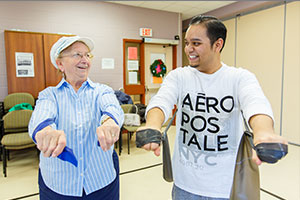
pixel 1 109
pixel 14 126
pixel 17 98
pixel 15 133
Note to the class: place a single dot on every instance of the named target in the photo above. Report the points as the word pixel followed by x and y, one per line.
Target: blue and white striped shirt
pixel 78 115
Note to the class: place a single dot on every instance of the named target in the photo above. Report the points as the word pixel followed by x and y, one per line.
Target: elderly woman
pixel 75 125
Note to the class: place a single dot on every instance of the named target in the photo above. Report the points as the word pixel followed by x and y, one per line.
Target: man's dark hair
pixel 215 28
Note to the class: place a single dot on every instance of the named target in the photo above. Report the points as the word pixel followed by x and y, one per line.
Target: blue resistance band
pixel 67 154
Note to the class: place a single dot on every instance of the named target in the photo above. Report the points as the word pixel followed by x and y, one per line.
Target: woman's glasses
pixel 79 56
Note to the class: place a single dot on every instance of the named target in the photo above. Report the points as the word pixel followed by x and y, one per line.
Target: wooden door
pixel 17 43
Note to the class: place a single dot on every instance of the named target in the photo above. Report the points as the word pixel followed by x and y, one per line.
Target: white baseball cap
pixel 65 42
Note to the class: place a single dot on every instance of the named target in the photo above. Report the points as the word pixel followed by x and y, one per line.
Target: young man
pixel 210 97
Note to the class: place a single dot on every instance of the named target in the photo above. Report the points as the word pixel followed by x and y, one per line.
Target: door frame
pixel 134 89
pixel 140 89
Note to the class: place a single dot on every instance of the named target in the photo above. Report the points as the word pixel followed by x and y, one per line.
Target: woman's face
pixel 75 62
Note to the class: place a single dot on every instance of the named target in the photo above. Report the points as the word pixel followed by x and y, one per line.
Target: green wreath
pixel 158 68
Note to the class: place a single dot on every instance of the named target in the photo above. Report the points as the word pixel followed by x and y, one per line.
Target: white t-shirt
pixel 209 124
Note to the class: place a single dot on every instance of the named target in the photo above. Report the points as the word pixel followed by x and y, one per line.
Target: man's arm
pixel 263 131
pixel 154 120
pixel 160 105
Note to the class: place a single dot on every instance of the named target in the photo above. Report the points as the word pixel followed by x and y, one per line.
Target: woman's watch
pixel 105 118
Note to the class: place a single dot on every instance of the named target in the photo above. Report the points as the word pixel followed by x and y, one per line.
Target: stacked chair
pixel 130 129
pixel 14 125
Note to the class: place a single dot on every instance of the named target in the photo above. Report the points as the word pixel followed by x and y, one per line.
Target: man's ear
pixel 60 65
pixel 219 44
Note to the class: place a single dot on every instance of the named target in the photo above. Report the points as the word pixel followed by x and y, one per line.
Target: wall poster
pixel 24 64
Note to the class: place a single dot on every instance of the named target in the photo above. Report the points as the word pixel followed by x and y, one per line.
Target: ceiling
pixel 188 9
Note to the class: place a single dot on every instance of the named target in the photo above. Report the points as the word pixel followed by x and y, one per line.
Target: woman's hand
pixel 108 133
pixel 50 142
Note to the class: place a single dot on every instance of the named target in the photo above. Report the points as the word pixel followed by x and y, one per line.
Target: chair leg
pixel 120 142
pixel 131 135
pixel 4 160
pixel 116 144
pixel 38 152
pixel 128 141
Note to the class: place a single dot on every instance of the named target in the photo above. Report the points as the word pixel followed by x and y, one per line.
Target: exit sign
pixel 146 32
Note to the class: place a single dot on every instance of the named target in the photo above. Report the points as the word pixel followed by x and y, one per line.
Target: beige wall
pixel 106 23
pixel 259 48
pixel 291 90
pixel 228 52
pixel 262 48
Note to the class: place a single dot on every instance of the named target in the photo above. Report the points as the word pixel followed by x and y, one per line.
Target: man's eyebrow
pixel 196 39
pixel 193 39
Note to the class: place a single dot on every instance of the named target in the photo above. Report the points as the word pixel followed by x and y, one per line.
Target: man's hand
pixel 151 146
pixel 265 137
pixel 155 119
pixel 50 142
pixel 263 132
pixel 108 133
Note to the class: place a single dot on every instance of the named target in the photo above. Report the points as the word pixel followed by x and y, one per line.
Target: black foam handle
pixel 271 152
pixel 147 136
pixel 167 163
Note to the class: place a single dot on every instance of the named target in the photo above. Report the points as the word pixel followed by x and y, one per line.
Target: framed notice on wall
pixel 24 64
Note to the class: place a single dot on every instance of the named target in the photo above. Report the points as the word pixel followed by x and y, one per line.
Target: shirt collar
pixel 63 82
pixel 91 83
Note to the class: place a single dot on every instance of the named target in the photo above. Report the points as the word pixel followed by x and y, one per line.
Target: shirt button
pixel 81 158
pixel 80 142
pixel 81 174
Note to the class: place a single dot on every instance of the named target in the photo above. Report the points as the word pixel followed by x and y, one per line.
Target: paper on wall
pixel 24 64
